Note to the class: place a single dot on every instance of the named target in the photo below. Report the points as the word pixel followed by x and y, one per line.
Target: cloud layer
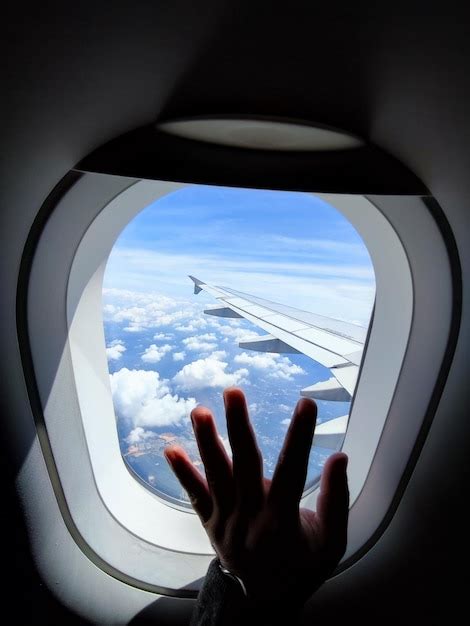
pixel 201 343
pixel 145 400
pixel 115 350
pixel 210 372
pixel 154 353
pixel 342 290
pixel 139 434
pixel 275 365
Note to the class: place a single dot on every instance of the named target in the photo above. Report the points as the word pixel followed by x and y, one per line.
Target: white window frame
pixel 131 530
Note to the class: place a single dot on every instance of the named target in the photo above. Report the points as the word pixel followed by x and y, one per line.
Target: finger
pixel 217 464
pixel 333 502
pixel 246 456
pixel 291 469
pixel 191 480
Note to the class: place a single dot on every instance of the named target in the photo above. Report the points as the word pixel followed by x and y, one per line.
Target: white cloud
pixel 253 408
pixel 286 421
pixel 205 337
pixel 179 356
pixel 208 372
pixel 219 354
pixel 145 400
pixel 108 311
pixel 201 343
pixel 139 434
pixel 163 336
pixel 194 325
pixel 140 318
pixel 115 350
pixel 285 407
pixel 134 328
pixel 275 365
pixel 141 311
pixel 121 297
pixel 154 353
pixel 237 334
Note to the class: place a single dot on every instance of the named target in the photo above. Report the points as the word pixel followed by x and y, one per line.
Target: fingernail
pixel 306 408
pixel 168 454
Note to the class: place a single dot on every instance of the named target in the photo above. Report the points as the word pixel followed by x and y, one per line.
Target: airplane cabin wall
pixel 79 75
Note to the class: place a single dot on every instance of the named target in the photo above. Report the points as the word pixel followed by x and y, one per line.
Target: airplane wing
pixel 335 344
pixel 331 434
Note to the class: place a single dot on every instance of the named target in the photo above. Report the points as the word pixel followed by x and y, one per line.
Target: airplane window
pixel 206 287
pixel 209 287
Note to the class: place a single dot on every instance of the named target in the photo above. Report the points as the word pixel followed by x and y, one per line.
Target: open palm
pixel 255 525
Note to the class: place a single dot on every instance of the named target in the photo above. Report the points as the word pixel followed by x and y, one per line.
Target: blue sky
pixel 289 247
pixel 165 355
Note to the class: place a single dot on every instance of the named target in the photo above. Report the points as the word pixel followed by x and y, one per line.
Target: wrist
pixel 265 606
pixel 234 577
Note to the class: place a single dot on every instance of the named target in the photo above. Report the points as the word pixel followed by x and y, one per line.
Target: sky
pixel 284 246
pixel 165 356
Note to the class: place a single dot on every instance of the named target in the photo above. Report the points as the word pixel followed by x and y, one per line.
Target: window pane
pixel 166 356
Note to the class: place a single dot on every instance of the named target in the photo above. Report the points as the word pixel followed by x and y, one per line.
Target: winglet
pixel 196 282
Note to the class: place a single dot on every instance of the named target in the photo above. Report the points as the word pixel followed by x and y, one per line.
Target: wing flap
pixel 331 434
pixel 267 343
pixel 223 311
pixel 330 390
pixel 346 376
pixel 317 353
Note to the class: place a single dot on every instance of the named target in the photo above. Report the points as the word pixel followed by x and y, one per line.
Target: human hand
pixel 255 524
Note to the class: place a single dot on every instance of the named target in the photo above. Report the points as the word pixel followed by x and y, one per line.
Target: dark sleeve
pixel 221 602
